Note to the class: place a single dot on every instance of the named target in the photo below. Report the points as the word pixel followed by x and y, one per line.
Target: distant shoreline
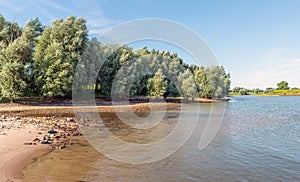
pixel 265 95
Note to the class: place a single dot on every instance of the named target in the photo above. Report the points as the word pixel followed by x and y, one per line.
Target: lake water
pixel 259 140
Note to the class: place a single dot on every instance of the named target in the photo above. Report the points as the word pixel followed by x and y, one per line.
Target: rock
pixel 52 136
pixel 28 143
pixel 45 137
pixel 3 117
pixel 75 133
pixel 40 133
pixel 63 145
pixel 36 140
pixel 52 131
pixel 44 142
pixel 70 119
pixel 17 118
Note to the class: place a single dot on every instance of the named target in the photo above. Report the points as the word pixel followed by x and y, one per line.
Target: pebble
pixel 52 131
pixel 70 119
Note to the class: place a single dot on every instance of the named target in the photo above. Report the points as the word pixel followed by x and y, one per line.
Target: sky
pixel 256 41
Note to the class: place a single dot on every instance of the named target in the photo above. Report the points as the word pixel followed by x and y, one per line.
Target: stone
pixel 70 119
pixel 52 131
pixel 44 142
pixel 36 140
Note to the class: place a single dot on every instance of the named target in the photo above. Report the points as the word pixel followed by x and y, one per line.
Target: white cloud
pixel 53 5
pixel 10 5
pixel 277 65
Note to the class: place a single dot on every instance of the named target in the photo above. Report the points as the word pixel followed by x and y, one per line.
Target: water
pixel 259 140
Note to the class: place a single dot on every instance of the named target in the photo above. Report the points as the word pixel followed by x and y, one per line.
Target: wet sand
pixel 16 156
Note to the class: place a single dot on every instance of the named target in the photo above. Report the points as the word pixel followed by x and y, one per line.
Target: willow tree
pixel 157 85
pixel 188 86
pixel 13 63
pixel 59 48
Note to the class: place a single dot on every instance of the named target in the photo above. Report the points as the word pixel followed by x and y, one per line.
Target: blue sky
pixel 257 41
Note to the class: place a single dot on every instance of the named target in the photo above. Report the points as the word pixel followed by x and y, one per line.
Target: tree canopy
pixel 283 85
pixel 41 60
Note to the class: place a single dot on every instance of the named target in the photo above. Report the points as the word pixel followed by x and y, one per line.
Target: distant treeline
pixel 282 89
pixel 38 60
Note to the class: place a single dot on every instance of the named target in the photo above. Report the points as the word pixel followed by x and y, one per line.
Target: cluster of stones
pixel 53 131
pixel 60 133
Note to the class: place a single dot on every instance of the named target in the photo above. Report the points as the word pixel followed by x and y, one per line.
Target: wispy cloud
pixel 48 10
pixel 42 9
pixel 277 65
pixel 97 22
pixel 53 5
pixel 10 5
pixel 128 10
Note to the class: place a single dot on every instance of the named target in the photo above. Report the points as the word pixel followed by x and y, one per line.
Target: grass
pixel 270 93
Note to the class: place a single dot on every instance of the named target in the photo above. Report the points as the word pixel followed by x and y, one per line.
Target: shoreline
pixel 15 133
pixel 25 139
pixel 15 156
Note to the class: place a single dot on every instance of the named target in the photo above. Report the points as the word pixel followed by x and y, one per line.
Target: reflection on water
pixel 258 141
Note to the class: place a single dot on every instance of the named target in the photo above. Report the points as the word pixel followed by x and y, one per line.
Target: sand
pixel 14 154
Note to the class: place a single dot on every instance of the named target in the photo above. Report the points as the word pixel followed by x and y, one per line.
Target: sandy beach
pixel 21 124
pixel 15 155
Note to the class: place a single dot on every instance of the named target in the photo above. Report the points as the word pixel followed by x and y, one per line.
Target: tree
pixel 59 48
pixel 88 67
pixel 202 82
pixel 9 32
pixel 243 91
pixel 269 89
pixel 32 30
pixel 157 85
pixel 219 82
pixel 12 74
pixel 188 85
pixel 58 76
pixel 237 89
pixel 295 88
pixel 257 90
pixel 283 85
pixel 120 55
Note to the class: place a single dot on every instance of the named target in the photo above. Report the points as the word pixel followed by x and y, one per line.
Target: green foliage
pixel 202 82
pixel 188 86
pixel 257 90
pixel 14 59
pixel 244 91
pixel 157 85
pixel 56 55
pixel 9 32
pixel 13 86
pixel 39 60
pixel 57 79
pixel 283 85
pixel 219 81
